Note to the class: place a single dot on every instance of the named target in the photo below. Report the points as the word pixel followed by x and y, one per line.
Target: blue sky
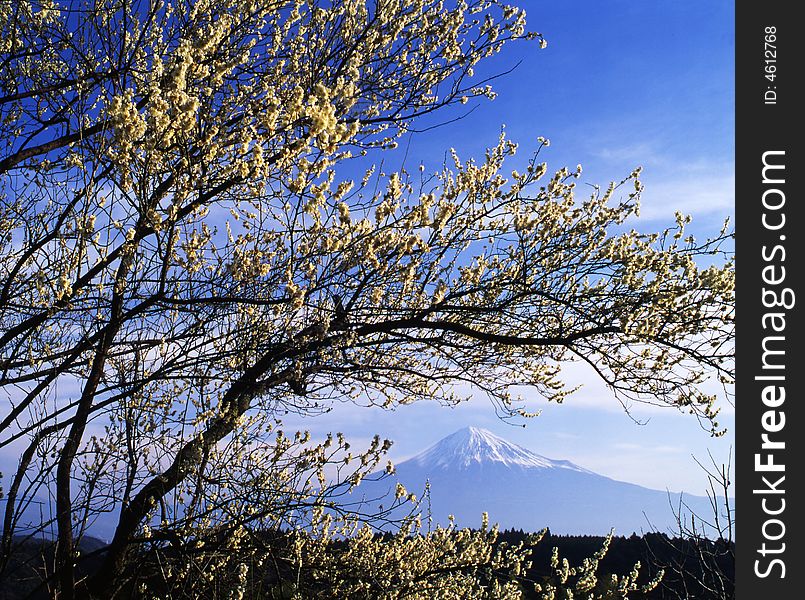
pixel 621 84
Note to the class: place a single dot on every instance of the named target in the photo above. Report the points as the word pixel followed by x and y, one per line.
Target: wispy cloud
pixel 662 449
pixel 696 185
pixel 565 435
pixel 696 194
pixel 637 154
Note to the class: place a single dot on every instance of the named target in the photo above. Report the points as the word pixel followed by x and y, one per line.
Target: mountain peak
pixel 474 445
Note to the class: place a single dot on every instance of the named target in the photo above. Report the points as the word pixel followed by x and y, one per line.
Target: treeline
pixel 695 568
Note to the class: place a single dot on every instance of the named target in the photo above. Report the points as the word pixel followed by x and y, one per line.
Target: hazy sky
pixel 621 84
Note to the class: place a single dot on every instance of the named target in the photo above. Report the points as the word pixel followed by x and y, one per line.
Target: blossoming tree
pixel 194 244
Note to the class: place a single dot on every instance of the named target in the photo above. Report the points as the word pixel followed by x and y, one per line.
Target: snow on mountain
pixel 474 471
pixel 472 445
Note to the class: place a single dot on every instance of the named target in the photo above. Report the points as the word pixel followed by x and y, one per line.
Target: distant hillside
pixel 473 470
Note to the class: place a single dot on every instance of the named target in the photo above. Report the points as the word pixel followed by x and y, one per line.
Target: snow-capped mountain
pixel 473 446
pixel 473 470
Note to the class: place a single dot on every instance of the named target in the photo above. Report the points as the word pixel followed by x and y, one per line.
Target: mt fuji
pixel 474 471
